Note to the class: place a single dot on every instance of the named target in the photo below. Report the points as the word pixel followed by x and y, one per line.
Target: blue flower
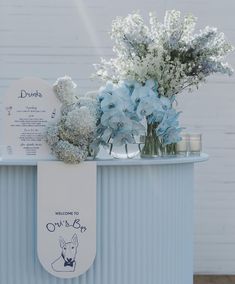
pixel 152 84
pixel 132 115
pixel 162 128
pixel 156 117
pixel 123 138
pixel 120 121
pixel 126 104
pixel 139 93
pixel 172 135
pixel 104 90
pixel 123 107
pixel 172 117
pixel 106 116
pixel 166 103
pixel 121 90
pixel 169 120
pixel 130 84
pixel 148 105
pixel 116 97
pixel 110 103
pixel 138 128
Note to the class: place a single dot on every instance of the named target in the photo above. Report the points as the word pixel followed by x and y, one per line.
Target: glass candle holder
pixel 195 144
pixel 183 145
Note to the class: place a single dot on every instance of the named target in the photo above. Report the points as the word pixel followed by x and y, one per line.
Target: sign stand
pixel 66 217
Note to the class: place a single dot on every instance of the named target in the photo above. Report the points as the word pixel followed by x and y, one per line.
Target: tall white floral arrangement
pixel 169 52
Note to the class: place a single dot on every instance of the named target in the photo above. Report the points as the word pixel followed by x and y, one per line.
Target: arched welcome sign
pixel 66 220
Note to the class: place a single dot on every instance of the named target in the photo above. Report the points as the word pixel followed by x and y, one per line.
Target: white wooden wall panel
pixel 49 38
pixel 211 111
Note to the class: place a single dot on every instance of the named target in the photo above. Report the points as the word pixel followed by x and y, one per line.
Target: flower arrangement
pixel 161 60
pixel 119 122
pixel 126 104
pixel 73 138
pixel 168 53
pixel 152 64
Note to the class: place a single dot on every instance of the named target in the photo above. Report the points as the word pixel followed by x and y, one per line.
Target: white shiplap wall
pixel 211 111
pixel 47 38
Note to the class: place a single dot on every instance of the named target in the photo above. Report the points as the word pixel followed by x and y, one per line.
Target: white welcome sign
pixel 66 219
pixel 28 106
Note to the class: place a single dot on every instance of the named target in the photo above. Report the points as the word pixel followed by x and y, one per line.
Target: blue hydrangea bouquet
pixel 152 65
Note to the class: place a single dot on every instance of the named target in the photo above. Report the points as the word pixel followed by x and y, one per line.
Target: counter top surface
pixel 122 162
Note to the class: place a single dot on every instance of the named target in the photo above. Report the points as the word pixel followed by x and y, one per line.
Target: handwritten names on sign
pixel 74 222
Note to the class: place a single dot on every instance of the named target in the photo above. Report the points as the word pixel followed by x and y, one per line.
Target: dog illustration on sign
pixel 67 261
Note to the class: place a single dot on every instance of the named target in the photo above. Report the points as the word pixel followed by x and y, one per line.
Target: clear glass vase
pixel 169 150
pixel 153 146
pixel 92 153
pixel 126 151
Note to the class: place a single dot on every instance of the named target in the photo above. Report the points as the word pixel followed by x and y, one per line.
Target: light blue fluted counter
pixel 144 223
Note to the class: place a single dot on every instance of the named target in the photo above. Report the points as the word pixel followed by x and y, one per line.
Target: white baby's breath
pixel 167 52
pixel 73 137
pixel 64 88
pixel 81 121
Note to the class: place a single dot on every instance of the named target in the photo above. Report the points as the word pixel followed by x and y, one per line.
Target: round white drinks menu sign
pixel 29 105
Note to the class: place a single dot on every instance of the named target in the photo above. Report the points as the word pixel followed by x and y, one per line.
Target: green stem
pixel 169 150
pixel 152 146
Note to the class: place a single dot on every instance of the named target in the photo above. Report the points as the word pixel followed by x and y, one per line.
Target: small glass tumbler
pixel 195 144
pixel 182 146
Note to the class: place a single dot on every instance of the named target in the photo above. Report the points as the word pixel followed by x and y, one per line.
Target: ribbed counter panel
pixel 144 226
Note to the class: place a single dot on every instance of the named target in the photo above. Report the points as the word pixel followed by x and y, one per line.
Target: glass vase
pixel 169 150
pixel 92 153
pixel 126 151
pixel 152 146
